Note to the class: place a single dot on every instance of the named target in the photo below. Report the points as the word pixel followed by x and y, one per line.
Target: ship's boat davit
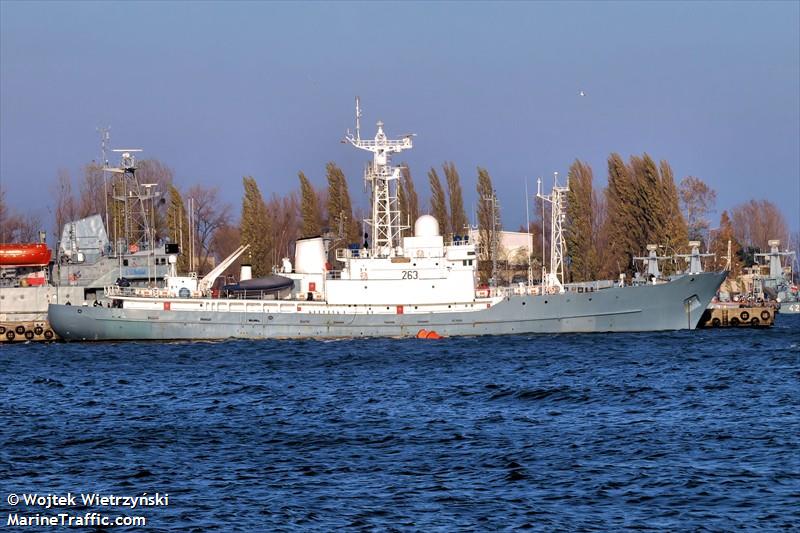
pixel 255 288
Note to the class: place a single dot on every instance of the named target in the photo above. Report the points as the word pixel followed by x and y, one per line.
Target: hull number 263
pixel 410 274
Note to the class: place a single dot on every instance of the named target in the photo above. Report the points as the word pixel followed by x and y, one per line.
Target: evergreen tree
pixel 309 208
pixel 488 219
pixel 178 227
pixel 458 218
pixel 254 228
pixel 578 226
pixel 438 205
pixel 340 210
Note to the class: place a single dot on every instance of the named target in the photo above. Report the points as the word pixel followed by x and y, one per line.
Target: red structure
pixel 17 255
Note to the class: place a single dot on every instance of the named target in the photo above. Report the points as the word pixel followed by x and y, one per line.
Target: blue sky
pixel 218 91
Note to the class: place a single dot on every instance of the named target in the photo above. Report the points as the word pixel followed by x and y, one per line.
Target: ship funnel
pixel 309 256
pixel 245 273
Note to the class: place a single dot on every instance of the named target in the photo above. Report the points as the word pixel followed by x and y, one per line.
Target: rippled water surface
pixel 685 430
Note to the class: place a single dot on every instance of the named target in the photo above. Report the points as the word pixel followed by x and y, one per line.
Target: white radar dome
pixel 426 226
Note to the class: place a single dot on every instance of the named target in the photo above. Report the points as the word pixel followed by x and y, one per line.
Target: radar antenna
pixel 694 257
pixel 651 260
pixel 383 179
pixel 774 255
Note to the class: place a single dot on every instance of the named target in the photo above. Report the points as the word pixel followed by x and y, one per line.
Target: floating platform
pixel 36 330
pixel 752 316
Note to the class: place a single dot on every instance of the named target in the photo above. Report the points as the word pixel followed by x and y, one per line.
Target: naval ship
pixel 85 261
pixel 780 284
pixel 395 286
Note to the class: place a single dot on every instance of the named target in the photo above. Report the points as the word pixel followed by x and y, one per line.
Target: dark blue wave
pixel 664 431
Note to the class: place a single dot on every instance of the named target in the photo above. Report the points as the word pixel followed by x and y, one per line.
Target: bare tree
pixel 154 171
pixel 284 223
pixel 92 191
pixel 226 239
pixel 210 214
pixel 758 221
pixel 65 202
pixel 697 202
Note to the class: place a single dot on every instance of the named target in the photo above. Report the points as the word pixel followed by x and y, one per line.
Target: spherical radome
pixel 426 226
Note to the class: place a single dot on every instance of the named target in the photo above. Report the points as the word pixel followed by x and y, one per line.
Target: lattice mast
pixel 558 212
pixel 494 238
pixel 137 200
pixel 383 179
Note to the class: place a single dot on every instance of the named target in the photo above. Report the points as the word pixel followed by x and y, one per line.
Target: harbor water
pixel 686 430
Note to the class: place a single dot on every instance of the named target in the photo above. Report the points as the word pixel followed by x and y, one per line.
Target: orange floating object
pixel 24 254
pixel 425 334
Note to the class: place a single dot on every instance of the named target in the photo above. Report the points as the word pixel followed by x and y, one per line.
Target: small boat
pixel 21 255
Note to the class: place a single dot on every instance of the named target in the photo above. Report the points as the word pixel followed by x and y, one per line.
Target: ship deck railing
pixel 417 252
pixel 541 290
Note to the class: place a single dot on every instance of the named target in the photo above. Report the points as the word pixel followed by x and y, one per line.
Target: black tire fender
pixel 765 315
pixel 745 316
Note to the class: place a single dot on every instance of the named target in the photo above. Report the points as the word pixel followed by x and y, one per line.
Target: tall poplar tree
pixel 438 202
pixel 458 218
pixel 412 200
pixel 178 227
pixel 340 210
pixel 676 236
pixel 651 211
pixel 488 218
pixel 254 228
pixel 623 227
pixel 309 209
pixel 407 200
pixel 578 226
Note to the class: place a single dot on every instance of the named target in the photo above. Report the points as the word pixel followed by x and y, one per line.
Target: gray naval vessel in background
pixel 413 286
pixel 85 261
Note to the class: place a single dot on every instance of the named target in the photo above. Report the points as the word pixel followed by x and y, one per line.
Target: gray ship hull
pixel 670 306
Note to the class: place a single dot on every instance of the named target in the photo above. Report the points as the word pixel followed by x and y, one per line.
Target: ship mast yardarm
pixel 383 179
